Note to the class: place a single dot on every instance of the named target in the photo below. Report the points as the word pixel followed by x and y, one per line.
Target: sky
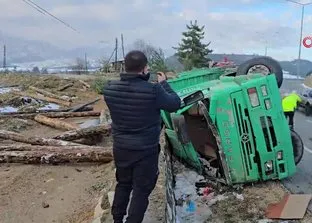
pixel 232 26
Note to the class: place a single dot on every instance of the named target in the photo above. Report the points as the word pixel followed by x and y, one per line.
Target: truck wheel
pixel 298 146
pixel 268 65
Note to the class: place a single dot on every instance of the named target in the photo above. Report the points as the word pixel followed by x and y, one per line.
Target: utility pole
pixel 123 51
pixel 116 54
pixel 86 63
pixel 300 39
pixel 4 57
pixel 301 29
pixel 122 45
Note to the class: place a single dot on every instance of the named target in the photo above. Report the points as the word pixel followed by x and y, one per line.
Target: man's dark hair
pixel 135 61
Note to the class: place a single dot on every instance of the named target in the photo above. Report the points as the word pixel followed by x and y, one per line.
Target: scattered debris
pixel 43 98
pixel 62 88
pixel 7 109
pixel 15 124
pixel 292 206
pixel 79 107
pixel 78 170
pixel 45 205
pixel 49 94
pixel 85 84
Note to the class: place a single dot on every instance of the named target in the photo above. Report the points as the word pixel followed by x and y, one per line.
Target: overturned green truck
pixel 232 127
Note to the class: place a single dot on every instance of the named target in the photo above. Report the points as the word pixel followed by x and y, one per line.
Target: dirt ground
pixel 70 193
pixel 252 205
pixel 60 193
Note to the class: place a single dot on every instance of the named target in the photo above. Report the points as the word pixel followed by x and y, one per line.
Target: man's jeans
pixel 139 177
pixel 290 116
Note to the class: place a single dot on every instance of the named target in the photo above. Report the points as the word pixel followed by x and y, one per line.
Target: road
pixel 301 182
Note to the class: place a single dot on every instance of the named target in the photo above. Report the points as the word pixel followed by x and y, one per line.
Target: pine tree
pixel 192 53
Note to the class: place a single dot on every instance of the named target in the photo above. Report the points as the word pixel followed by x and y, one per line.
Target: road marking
pixel 307 149
pixel 309 120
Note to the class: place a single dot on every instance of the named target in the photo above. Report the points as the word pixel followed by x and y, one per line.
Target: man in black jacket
pixel 135 106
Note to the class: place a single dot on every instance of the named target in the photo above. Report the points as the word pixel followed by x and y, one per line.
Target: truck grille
pixel 268 132
pixel 246 135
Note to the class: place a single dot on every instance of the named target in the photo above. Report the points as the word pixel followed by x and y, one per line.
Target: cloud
pixel 232 26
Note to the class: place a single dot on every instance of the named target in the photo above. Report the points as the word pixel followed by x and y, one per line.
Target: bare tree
pixel 104 64
pixel 44 70
pixel 36 70
pixel 155 56
pixel 79 66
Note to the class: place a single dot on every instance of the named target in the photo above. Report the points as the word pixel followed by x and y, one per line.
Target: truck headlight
pixel 268 165
pixel 279 155
pixel 253 97
pixel 264 90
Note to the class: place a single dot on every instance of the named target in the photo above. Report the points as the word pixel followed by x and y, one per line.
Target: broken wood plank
pixel 62 88
pixel 49 94
pixel 43 98
pixel 54 155
pixel 55 123
pixel 104 130
pixel 84 83
pixel 34 140
pixel 78 107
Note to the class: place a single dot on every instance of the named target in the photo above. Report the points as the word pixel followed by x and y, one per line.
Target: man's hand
pixel 161 77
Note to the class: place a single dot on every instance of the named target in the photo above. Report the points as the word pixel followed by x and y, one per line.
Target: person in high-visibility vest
pixel 289 104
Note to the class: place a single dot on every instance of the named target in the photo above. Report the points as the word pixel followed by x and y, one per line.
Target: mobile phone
pixel 153 77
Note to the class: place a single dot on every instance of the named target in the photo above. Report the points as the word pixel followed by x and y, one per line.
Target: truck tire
pixel 272 65
pixel 298 146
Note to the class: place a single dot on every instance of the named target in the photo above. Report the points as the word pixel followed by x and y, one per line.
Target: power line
pixel 43 11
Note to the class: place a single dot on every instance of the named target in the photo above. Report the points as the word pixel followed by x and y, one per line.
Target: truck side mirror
pixel 195 97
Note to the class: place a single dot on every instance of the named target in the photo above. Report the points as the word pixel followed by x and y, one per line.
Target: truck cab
pixel 232 128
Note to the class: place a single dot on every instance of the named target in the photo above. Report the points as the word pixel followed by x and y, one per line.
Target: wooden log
pixel 49 94
pixel 84 83
pixel 54 155
pixel 62 113
pixel 43 98
pixel 34 140
pixel 62 88
pixel 25 147
pixel 103 117
pixel 55 123
pixel 78 107
pixel 104 130
pixel 9 86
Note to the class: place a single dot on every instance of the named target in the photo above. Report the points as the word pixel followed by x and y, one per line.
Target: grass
pixel 98 84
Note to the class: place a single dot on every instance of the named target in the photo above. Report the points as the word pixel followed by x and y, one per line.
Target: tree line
pixel 191 51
